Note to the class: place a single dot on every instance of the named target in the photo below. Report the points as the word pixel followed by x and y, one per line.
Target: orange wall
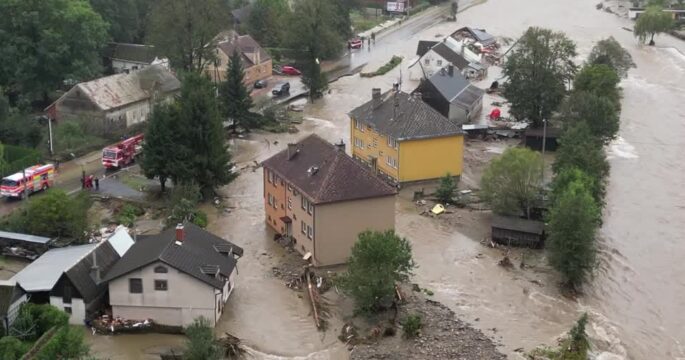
pixel 277 190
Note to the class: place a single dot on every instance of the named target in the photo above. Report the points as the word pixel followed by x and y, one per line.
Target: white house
pixel 125 58
pixel 433 58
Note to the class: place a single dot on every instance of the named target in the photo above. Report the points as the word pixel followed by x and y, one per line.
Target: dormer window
pixel 161 270
pixel 211 270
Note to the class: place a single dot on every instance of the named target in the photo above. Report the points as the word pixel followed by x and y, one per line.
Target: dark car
pixel 281 89
pixel 260 84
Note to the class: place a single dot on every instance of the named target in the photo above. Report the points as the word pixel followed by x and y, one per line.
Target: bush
pixel 396 60
pixel 201 344
pixel 418 8
pixel 411 325
pixel 67 343
pixel 445 192
pixel 200 219
pixel 35 320
pixel 12 348
pixel 128 214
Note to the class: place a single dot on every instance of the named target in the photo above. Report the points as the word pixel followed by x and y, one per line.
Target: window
pixel 439 62
pixel 161 285
pixel 310 210
pixel 391 161
pixel 290 188
pixel 358 125
pixel 135 286
pixel 310 232
pixel 427 61
pixel 275 202
pixel 358 143
pixel 392 142
pixel 161 270
pixel 270 176
pixel 66 296
pixel 290 202
pixel 304 228
pixel 305 203
pixel 271 199
pixel 67 309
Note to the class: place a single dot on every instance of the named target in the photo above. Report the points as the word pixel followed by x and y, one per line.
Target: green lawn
pixel 362 22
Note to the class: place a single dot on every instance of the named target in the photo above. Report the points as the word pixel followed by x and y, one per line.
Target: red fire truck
pixel 35 178
pixel 122 153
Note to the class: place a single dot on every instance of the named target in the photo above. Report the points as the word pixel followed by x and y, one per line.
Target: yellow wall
pixel 375 144
pixel 431 158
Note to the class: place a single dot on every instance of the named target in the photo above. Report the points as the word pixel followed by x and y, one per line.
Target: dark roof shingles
pixel 450 55
pixel 133 52
pixel 412 119
pixel 518 224
pixel 456 88
pixel 338 178
pixel 423 46
pixel 80 274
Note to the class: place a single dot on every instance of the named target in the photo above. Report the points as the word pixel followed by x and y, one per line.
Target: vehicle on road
pixel 355 43
pixel 290 70
pixel 260 84
pixel 281 89
pixel 122 153
pixel 27 182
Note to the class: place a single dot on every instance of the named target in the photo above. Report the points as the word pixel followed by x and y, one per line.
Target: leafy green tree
pixel 183 205
pixel 209 160
pixel 235 99
pixel 445 192
pixel 185 30
pixel 12 348
pixel 201 344
pixel 53 214
pixel 47 41
pixel 378 261
pixel 599 80
pixel 537 72
pixel 573 221
pixel 267 20
pixel 572 174
pixel 652 22
pixel 123 17
pixel 580 149
pixel 164 154
pixel 512 183
pixel 609 52
pixel 67 343
pixel 342 21
pixel 598 112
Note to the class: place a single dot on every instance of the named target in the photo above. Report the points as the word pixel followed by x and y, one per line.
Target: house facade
pixel 125 58
pixel 452 95
pixel 174 277
pixel 321 199
pixel 256 62
pixel 403 138
pixel 111 104
pixel 434 56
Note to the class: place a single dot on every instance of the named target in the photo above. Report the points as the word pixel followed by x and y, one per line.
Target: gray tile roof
pixel 338 178
pixel 44 272
pixel 145 54
pixel 197 251
pixel 80 273
pixel 410 119
pixel 450 55
pixel 518 224
pixel 423 46
pixel 455 88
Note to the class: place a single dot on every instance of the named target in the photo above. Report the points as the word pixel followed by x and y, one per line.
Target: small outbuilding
pixel 23 245
pixel 532 138
pixel 514 231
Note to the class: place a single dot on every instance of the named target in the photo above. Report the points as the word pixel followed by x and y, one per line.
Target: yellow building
pixel 404 138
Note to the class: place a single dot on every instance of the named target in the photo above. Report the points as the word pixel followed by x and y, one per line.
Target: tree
pixel 537 72
pixel 598 112
pixel 54 214
pixel 67 343
pixel 573 221
pixel 342 21
pixel 599 80
pixel 580 149
pixel 123 17
pixel 572 174
pixel 164 153
pixel 445 192
pixel 47 41
pixel 185 31
pixel 609 52
pixel 12 348
pixel 201 344
pixel 267 20
pixel 653 21
pixel 202 129
pixel 183 205
pixel 235 99
pixel 378 261
pixel 512 182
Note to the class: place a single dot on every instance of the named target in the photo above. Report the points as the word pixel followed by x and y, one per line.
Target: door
pixel 288 229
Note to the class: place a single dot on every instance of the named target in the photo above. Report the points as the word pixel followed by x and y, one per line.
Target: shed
pixel 532 138
pixel 514 231
pixel 23 245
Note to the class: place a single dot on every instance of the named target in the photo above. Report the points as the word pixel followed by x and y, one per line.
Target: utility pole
pixel 544 140
pixel 50 131
pixel 26 185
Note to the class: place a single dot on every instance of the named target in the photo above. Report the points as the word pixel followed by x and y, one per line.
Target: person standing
pixel 97 183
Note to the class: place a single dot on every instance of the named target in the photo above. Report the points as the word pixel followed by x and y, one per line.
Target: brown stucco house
pixel 255 60
pixel 174 277
pixel 321 199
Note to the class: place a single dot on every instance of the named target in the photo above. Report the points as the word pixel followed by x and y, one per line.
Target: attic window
pixel 211 270
pixel 161 270
pixel 224 249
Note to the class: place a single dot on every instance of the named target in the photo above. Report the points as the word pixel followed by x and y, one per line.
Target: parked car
pixel 260 84
pixel 281 89
pixel 355 43
pixel 290 70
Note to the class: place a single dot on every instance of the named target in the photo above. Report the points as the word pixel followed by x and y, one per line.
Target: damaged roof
pixel 119 90
pixel 455 88
pixel 229 41
pixel 477 34
pixel 404 117
pixel 198 250
pixel 326 173
pixel 518 224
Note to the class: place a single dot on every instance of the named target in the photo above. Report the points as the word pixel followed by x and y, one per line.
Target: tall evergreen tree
pixel 210 160
pixel 164 152
pixel 234 97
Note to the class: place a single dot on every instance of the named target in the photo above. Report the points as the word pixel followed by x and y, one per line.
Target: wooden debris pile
pixel 232 347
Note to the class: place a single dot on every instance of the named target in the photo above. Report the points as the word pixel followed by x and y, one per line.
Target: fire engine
pixel 35 178
pixel 122 153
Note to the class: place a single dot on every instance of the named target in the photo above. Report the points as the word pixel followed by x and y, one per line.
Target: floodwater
pixel 636 301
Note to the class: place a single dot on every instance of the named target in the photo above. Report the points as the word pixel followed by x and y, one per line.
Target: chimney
pixel 292 151
pixel 180 234
pixel 376 96
pixel 340 146
pixel 95 270
pixel 396 86
pixel 450 69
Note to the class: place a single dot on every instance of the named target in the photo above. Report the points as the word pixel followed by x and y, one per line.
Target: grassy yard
pixel 135 182
pixel 362 22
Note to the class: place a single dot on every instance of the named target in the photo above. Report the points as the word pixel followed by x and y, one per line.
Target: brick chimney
pixel 292 151
pixel 180 234
pixel 340 146
pixel 376 96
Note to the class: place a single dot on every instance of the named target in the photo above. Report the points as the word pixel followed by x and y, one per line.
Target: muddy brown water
pixel 636 299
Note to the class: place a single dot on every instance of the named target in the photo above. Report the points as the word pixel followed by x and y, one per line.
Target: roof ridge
pixel 329 174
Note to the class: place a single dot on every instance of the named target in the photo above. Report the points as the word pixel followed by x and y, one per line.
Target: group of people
pixel 90 181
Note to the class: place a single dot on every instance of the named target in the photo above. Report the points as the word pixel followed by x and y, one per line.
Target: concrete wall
pixel 185 299
pixel 339 224
pixel 431 158
pixel 78 309
pixel 375 145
